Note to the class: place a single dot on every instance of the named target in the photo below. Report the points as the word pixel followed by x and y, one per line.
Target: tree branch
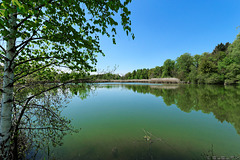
pixel 29 16
pixel 33 71
pixel 42 107
pixel 1 90
pixel 49 110
pixel 26 42
pixel 19 89
pixel 33 59
pixel 21 115
pixel 23 44
pixel 3 56
pixel 30 128
pixel 31 97
pixel 49 89
pixel 3 49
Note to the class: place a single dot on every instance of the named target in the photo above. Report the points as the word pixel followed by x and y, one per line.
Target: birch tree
pixel 39 34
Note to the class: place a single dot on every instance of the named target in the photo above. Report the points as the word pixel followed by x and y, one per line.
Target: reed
pixel 152 80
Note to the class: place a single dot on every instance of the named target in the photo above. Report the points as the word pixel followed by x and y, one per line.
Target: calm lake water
pixel 146 121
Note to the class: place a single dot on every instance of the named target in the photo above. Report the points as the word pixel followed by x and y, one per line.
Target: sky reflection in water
pixel 184 122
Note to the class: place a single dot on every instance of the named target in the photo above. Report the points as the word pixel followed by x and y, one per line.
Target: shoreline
pixel 153 80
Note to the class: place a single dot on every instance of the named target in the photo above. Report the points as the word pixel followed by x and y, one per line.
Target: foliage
pixel 44 24
pixel 168 68
pixel 138 74
pixel 183 64
pixel 155 72
pixel 106 76
pixel 222 66
pixel 221 47
pixel 43 35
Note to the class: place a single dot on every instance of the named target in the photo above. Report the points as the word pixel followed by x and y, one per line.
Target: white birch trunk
pixel 7 95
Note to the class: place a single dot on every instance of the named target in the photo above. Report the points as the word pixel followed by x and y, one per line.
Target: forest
pixel 221 66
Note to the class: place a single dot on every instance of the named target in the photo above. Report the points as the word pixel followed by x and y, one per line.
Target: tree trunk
pixel 7 95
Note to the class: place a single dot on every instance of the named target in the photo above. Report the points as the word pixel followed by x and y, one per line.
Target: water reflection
pixel 37 117
pixel 119 124
pixel 222 101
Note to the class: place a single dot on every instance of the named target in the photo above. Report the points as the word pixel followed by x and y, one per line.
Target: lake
pixel 149 121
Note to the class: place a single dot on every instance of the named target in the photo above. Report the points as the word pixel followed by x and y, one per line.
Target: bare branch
pixel 33 96
pixel 44 91
pixel 21 114
pixel 42 107
pixel 49 89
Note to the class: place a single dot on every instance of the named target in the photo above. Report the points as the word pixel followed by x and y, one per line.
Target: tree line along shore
pixel 221 66
pixel 152 80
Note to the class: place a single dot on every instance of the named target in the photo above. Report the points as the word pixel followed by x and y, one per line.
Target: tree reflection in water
pixel 43 124
pixel 38 124
pixel 222 101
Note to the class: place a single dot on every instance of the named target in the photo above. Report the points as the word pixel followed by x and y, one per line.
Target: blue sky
pixel 165 29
